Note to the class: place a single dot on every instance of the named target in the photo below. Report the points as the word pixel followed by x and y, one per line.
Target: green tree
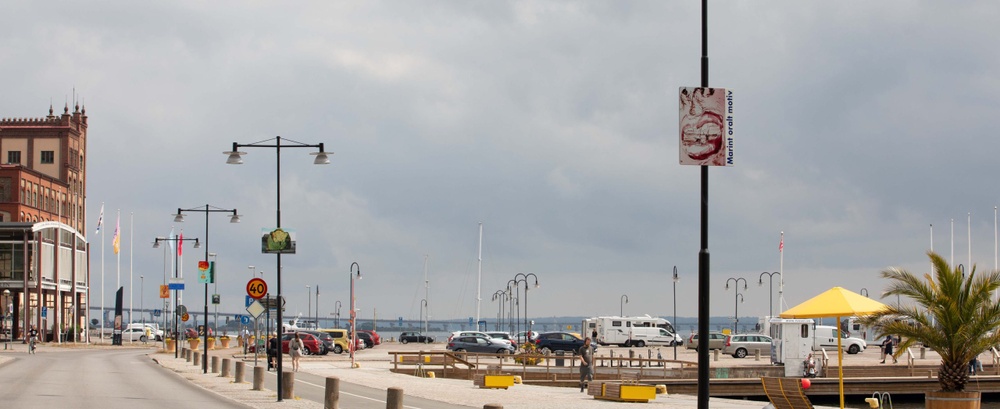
pixel 954 315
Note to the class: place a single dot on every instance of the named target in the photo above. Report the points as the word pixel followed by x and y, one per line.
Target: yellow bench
pixel 493 381
pixel 622 392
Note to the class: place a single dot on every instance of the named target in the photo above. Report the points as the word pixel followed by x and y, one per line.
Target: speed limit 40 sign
pixel 256 288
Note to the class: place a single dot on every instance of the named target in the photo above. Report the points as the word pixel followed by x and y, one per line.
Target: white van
pixel 826 337
pixel 154 329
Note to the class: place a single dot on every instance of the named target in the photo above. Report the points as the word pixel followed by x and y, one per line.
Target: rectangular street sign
pixel 249 300
pixel 176 284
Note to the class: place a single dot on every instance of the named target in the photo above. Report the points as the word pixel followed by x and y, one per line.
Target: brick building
pixel 44 274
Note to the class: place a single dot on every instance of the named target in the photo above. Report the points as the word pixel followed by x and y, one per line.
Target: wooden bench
pixel 785 393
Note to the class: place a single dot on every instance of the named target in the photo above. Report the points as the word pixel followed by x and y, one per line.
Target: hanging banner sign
pixel 706 126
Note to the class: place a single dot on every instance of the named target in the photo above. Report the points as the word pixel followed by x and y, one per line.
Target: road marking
pixel 344 393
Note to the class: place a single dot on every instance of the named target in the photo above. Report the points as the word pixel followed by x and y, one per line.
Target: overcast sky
pixel 554 123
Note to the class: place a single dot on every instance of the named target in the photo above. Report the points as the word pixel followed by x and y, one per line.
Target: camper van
pixel 632 331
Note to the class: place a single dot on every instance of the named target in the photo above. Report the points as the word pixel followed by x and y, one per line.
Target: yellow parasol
pixel 836 302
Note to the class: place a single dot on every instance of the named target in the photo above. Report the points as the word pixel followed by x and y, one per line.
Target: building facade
pixel 44 274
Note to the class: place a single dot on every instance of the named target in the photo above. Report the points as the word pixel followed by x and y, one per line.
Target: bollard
pixel 240 369
pixel 756 354
pixel 197 358
pixel 716 352
pixel 332 393
pixel 215 364
pixel 184 352
pixel 394 398
pixel 258 378
pixel 923 352
pixel 288 385
pixel 492 406
pixel 226 364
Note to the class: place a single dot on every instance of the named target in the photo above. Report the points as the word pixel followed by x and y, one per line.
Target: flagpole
pixel 970 242
pixel 952 260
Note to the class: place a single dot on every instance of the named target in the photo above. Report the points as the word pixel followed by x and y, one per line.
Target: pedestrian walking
pixel 586 354
pixel 295 350
pixel 272 352
pixel 887 349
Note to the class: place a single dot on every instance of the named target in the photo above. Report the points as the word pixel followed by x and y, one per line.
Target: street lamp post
pixel 235 157
pixel 337 305
pixel 621 304
pixel 178 240
pixel 210 276
pixel 737 298
pixel 215 289
pixel 317 307
pixel 511 297
pixel 770 290
pixel 354 334
pixel 500 295
pixel 309 303
pixel 676 279
pixel 524 278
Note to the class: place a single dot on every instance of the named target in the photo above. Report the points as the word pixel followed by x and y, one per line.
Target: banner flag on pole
pixel 100 220
pixel 116 243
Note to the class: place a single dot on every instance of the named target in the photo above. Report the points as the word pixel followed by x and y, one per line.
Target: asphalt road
pixel 311 387
pixel 101 378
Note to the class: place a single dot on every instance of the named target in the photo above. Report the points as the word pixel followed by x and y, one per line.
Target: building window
pixel 6 186
pixel 14 157
pixel 48 157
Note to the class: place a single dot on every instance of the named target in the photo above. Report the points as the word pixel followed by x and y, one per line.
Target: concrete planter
pixel 193 343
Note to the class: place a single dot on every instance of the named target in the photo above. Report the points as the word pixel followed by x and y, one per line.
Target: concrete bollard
pixel 258 378
pixel 716 355
pixel 240 370
pixel 394 398
pixel 756 354
pixel 215 364
pixel 332 393
pixel 197 358
pixel 226 364
pixel 288 385
pixel 187 355
pixel 492 406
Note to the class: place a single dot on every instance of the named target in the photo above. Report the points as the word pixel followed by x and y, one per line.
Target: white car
pixel 478 334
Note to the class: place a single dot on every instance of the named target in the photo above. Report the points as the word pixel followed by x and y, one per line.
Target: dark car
pixel 479 344
pixel 375 337
pixel 325 338
pixel 548 342
pixel 313 346
pixel 364 336
pixel 408 337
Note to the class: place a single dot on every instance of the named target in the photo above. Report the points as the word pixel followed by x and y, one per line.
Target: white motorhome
pixel 632 331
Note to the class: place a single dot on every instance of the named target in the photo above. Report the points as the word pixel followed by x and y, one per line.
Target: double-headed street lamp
pixel 235 157
pixel 770 292
pixel 737 299
pixel 354 334
pixel 621 304
pixel 500 295
pixel 179 241
pixel 512 298
pixel 210 274
pixel 524 279
pixel 337 314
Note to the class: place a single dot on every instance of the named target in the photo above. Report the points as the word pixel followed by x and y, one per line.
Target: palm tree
pixel 954 315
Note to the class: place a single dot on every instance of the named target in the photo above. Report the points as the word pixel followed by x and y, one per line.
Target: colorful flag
pixel 781 244
pixel 180 244
pixel 116 243
pixel 173 240
pixel 100 220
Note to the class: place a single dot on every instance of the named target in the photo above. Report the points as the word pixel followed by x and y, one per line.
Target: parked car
pixel 502 335
pixel 134 335
pixel 340 340
pixel 313 346
pixel 324 337
pixel 478 334
pixel 740 345
pixel 716 340
pixel 474 343
pixel 548 342
pixel 369 341
pixel 376 339
pixel 520 338
pixel 408 337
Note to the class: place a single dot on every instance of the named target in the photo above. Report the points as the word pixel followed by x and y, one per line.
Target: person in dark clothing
pixel 887 349
pixel 586 356
pixel 272 352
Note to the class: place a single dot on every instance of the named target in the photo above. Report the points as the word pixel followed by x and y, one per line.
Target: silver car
pixel 473 343
pixel 741 345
